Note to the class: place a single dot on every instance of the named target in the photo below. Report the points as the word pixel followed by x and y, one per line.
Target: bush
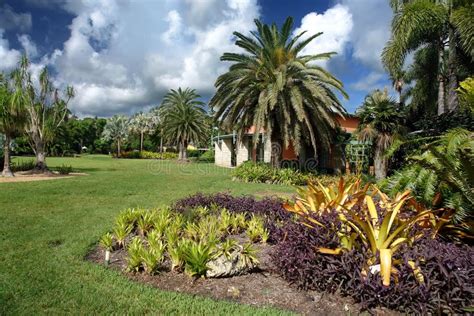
pixel 23 165
pixel 207 156
pixel 265 173
pixel 64 169
pixel 148 155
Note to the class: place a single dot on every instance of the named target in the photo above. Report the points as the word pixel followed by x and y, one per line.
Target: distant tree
pixel 380 123
pixel 184 119
pixel 142 124
pixel 46 109
pixel 12 122
pixel 116 130
pixel 276 88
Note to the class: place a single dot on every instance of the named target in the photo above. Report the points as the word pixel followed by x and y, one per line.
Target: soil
pixel 259 288
pixel 26 176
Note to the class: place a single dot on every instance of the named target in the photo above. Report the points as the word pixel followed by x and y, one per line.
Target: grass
pixel 47 227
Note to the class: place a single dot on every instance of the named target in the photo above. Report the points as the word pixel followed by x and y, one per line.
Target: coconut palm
pixel 276 88
pixel 380 123
pixel 184 119
pixel 142 124
pixel 417 23
pixel 116 130
pixel 12 121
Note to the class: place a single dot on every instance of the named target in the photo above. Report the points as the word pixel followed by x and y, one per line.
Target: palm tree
pixel 12 122
pixel 116 130
pixel 184 119
pixel 380 123
pixel 142 124
pixel 436 22
pixel 276 88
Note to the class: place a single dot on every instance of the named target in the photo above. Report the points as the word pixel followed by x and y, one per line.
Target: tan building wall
pixel 223 152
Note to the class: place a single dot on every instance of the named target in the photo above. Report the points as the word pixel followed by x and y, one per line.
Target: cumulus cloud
pixel 119 63
pixel 370 82
pixel 336 25
pixel 10 20
pixel 28 45
pixel 8 57
pixel 371 30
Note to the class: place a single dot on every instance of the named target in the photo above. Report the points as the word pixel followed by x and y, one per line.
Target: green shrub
pixel 265 173
pixel 148 155
pixel 64 169
pixel 23 165
pixel 207 156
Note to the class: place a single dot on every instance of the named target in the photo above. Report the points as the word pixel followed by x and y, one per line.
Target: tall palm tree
pixel 12 121
pixel 276 88
pixel 184 119
pixel 381 124
pixel 436 22
pixel 142 123
pixel 116 130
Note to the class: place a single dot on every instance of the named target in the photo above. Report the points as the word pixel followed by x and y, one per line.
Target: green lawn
pixel 47 227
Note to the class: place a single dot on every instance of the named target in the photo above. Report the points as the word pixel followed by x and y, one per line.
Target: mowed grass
pixel 47 227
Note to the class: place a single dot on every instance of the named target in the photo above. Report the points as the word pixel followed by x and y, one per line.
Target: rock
pixel 227 266
pixel 233 292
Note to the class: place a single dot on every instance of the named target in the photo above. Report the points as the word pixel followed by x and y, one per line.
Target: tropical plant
pixel 12 122
pixel 466 93
pixel 196 256
pixel 64 169
pixel 443 174
pixel 107 242
pixel 121 231
pixel 46 109
pixel 275 87
pixel 438 23
pixel 176 252
pixel 142 124
pixel 184 119
pixel 249 255
pixel 256 230
pixel 135 253
pixel 380 123
pixel 145 222
pixel 116 130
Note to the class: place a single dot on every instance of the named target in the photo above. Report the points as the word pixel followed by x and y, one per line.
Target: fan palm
pixel 142 124
pixel 184 119
pixel 12 121
pixel 274 87
pixel 435 22
pixel 380 123
pixel 116 130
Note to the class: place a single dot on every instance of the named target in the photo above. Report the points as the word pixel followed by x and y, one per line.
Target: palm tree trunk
pixel 452 77
pixel 7 172
pixel 276 152
pixel 141 141
pixel 184 150
pixel 161 143
pixel 380 164
pixel 441 98
pixel 118 148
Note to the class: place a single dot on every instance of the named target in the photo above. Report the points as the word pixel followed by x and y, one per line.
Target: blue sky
pixel 122 56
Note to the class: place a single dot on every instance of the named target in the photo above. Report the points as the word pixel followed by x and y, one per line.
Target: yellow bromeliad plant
pixel 368 219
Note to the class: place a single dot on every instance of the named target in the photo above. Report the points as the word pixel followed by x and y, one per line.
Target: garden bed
pixel 259 288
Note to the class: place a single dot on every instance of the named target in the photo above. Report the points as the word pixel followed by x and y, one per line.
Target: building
pixel 229 152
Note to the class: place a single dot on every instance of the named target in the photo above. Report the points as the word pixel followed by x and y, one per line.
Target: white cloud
pixel 28 45
pixel 10 20
pixel 371 30
pixel 8 57
pixel 123 56
pixel 336 25
pixel 370 82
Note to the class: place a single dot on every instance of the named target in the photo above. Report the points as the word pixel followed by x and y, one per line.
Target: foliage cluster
pixel 148 155
pixel 161 239
pixel 355 240
pixel 261 172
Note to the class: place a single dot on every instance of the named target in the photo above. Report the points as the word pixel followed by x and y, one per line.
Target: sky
pixel 122 56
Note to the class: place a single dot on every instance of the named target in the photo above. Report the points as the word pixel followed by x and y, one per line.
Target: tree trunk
pixel 161 143
pixel 7 172
pixel 183 151
pixel 452 77
pixel 40 152
pixel 380 164
pixel 118 148
pixel 441 98
pixel 276 153
pixel 141 141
